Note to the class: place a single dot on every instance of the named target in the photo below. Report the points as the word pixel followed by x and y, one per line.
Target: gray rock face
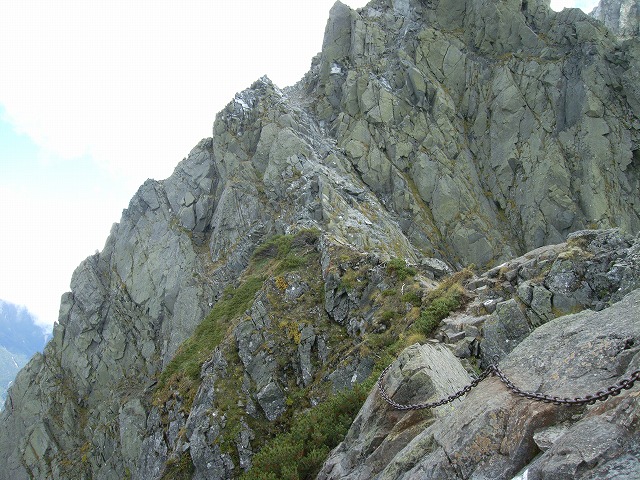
pixel 441 133
pixel 503 330
pixel 593 269
pixel 471 114
pixel 622 17
pixel 492 433
pixel 421 374
pixel 260 365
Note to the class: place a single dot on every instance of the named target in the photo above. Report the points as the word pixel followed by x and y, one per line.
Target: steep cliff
pixel 297 250
pixel 621 16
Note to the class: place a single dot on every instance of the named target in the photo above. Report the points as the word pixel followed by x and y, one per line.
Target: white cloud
pixel 135 85
pixel 45 236
pixel 586 5
pixel 126 88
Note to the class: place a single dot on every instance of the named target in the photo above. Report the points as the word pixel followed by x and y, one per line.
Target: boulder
pixel 493 433
pixel 421 374
pixel 503 330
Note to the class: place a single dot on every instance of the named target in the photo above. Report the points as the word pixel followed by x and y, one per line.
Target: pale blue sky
pixel 586 5
pixel 96 97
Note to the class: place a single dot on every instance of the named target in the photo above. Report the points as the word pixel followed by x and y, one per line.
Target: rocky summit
pixel 621 16
pixel 452 184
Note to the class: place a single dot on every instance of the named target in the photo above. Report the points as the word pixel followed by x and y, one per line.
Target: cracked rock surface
pixel 441 133
pixel 493 433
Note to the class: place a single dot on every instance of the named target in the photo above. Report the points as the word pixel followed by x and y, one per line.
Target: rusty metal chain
pixel 420 406
pixel 493 369
pixel 599 396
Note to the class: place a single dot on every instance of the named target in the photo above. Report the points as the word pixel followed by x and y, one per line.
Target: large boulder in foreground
pixel 494 434
pixel 421 373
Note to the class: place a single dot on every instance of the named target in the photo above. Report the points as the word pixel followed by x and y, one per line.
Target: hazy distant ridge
pixel 20 338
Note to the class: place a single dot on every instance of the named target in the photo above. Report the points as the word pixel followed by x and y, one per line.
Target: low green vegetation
pixel 277 246
pixel 441 301
pixel 289 263
pixel 351 278
pixel 388 315
pixel 437 310
pixel 296 446
pixel 413 297
pixel 183 371
pixel 179 468
pixel 277 255
pixel 300 452
pixel 283 253
pixel 399 268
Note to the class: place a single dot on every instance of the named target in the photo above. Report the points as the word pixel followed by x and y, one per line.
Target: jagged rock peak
pixel 489 98
pixel 300 239
pixel 622 17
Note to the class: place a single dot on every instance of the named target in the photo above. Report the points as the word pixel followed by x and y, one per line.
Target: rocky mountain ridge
pixel 20 338
pixel 19 332
pixel 621 16
pixel 312 236
pixel 493 433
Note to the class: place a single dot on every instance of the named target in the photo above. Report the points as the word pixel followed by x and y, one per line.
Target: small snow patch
pixel 242 103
